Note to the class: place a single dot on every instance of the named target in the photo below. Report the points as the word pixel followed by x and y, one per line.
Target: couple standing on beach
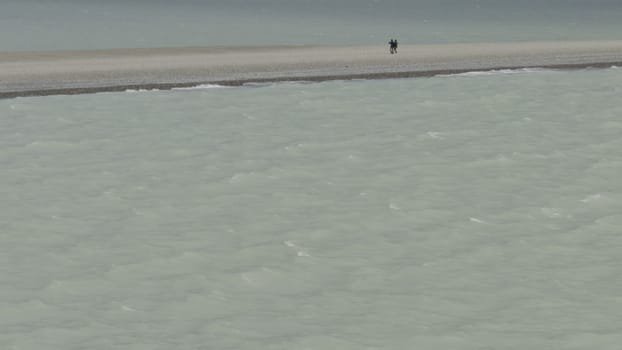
pixel 393 46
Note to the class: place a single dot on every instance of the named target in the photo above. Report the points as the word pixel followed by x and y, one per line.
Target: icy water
pixel 90 24
pixel 479 211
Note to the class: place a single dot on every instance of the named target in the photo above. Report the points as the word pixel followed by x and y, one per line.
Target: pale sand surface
pixel 67 72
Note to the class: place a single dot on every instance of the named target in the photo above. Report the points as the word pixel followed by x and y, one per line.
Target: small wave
pixel 496 72
pixel 202 87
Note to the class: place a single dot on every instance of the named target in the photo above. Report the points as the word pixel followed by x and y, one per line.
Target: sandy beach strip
pixel 73 72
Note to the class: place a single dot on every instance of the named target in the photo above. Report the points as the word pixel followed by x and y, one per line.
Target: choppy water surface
pixel 461 212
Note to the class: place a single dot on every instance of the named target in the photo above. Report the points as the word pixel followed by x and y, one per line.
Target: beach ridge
pixel 77 72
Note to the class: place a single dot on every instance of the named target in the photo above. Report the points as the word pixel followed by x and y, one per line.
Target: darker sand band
pixel 78 72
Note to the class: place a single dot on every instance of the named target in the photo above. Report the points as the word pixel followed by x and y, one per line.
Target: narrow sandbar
pixel 71 72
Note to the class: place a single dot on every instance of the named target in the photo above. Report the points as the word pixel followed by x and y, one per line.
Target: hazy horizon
pixel 79 24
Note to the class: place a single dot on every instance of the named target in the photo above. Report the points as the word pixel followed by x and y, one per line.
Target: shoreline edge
pixel 82 72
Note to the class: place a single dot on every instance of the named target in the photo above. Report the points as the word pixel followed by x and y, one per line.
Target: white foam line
pixel 497 72
pixel 202 87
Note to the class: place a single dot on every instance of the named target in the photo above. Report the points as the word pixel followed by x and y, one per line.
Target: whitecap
pixel 476 220
pixel 237 177
pixel 299 251
pixel 128 309
pixel 434 134
pixel 202 87
pixel 592 198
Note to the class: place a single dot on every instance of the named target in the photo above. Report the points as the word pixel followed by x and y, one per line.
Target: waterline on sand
pixel 78 72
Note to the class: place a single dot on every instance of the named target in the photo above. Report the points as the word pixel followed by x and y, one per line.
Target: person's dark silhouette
pixel 393 46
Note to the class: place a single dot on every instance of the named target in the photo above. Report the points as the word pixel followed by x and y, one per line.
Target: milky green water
pixel 463 212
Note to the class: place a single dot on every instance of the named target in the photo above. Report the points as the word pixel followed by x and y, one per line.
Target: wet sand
pixel 73 72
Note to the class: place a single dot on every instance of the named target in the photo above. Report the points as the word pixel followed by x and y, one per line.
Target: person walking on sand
pixel 391 46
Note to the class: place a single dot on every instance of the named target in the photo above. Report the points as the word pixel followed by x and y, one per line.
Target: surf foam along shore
pixel 73 72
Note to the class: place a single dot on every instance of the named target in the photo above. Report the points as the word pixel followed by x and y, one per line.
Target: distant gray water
pixel 88 24
pixel 479 211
